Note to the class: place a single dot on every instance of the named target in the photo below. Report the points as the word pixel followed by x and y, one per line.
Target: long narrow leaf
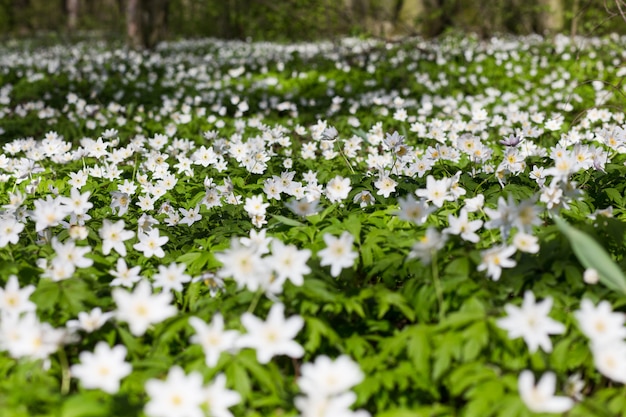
pixel 592 255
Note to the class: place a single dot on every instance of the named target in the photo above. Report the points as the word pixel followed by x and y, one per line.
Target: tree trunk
pixel 550 19
pixel 71 6
pixel 146 22
pixel 154 21
pixel 408 16
pixel 133 24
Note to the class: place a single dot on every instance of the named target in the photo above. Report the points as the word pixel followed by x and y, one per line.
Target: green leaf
pixel 592 255
pixel 261 373
pixel 614 195
pixel 287 221
pixel 88 404
pixel 418 349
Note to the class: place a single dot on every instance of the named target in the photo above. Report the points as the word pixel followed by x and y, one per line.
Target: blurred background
pixel 145 22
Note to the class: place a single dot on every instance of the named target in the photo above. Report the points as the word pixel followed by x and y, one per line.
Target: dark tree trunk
pixel 146 22
pixel 71 7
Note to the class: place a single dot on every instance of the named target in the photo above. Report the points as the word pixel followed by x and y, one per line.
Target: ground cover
pixel 330 229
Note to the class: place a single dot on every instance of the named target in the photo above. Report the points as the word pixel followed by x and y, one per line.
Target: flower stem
pixel 437 284
pixel 255 301
pixel 65 372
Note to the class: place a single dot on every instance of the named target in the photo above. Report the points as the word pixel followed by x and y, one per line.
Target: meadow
pixel 349 228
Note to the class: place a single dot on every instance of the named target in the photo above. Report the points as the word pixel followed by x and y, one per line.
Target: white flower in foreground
pixel 190 216
pixel 113 236
pixel 531 322
pixel 70 254
pixel 385 185
pixel 219 399
pixel 91 321
pixel 540 398
pixel 150 244
pixel 257 241
pixel 338 189
pixel 48 213
pixel 125 276
pixel 288 262
pixel 103 369
pixel 436 191
pixel 171 277
pixel 273 336
pixel 77 202
pixel 525 242
pixel 25 336
pixel 243 264
pixel 213 338
pixel 141 308
pixel 496 258
pixel 610 360
pixel 599 323
pixel 179 395
pixel 322 406
pixel 328 377
pixel 14 300
pixel 463 227
pixel 413 210
pixel 255 206
pixel 427 245
pixel 10 230
pixel 591 276
pixel 338 253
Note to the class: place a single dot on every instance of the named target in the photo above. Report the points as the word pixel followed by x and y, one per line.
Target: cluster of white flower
pixel 139 178
pixel 600 324
pixel 326 384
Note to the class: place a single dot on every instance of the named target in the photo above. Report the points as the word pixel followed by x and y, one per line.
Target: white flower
pixel 243 264
pixel 436 191
pixel 141 308
pixel 103 369
pixel 413 210
pixel 338 253
pixel 531 322
pixel 591 276
pixel 190 216
pixel 179 395
pixel 496 258
pixel 150 243
pixel 328 377
pixel 273 336
pixel 77 202
pixel 463 227
pixel 338 189
pixel 24 336
pixel 10 230
pixel 475 204
pixel 525 242
pixel 540 398
pixel 123 275
pixel 213 338
pixel 70 254
pixel 171 277
pixel 289 262
pixel 600 324
pixel 257 241
pixel 113 236
pixel 255 206
pixel 385 185
pixel 218 399
pixel 14 300
pixel 610 360
pixel 322 406
pixel 427 245
pixel 91 321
